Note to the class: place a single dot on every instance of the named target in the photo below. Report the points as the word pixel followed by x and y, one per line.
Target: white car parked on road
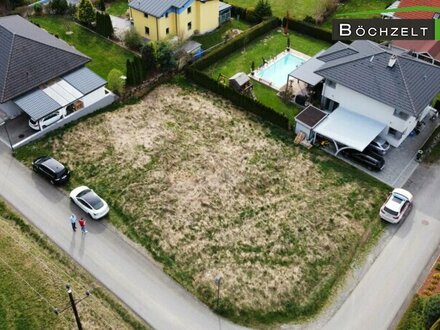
pixel 397 206
pixel 89 202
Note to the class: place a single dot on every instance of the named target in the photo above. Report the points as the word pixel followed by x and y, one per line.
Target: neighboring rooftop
pixel 156 8
pixel 409 85
pixel 430 47
pixel 417 14
pixel 29 57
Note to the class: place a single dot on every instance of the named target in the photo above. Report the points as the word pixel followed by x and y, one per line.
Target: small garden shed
pixel 240 82
pixel 308 119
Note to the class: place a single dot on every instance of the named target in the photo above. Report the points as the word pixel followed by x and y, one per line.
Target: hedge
pixel 236 98
pixel 309 29
pixel 238 42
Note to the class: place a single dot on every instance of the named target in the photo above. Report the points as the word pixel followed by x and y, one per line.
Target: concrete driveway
pixel 120 26
pixel 120 265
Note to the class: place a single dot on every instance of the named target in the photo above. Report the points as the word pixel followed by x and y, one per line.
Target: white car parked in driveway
pixel 89 202
pixel 397 206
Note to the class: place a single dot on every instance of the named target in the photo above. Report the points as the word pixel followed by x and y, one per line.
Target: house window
pixel 166 15
pixel 167 31
pixel 189 26
pixel 147 30
pixel 401 115
pixel 331 83
pixel 145 15
pixel 188 10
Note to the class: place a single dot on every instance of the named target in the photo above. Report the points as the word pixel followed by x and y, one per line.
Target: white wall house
pixel 396 90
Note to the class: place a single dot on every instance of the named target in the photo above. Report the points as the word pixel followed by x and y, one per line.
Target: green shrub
pixel 133 40
pixel 58 7
pixel 165 56
pixel 432 311
pixel 115 82
pixel 38 9
pixel 414 316
pixel 437 266
pixel 104 24
pixel 86 12
pixel 100 5
pixel 149 58
pixel 262 10
pixel 309 29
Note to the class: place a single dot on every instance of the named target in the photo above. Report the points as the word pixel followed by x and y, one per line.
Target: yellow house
pixel 159 19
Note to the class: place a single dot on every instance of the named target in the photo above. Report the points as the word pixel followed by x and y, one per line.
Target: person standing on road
pixel 82 224
pixel 73 221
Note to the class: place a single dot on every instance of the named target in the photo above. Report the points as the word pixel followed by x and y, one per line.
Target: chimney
pixel 392 61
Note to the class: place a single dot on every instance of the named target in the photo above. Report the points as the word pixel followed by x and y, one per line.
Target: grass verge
pixel 29 262
pixel 117 8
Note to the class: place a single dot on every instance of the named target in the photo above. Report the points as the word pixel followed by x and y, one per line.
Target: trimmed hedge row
pixel 308 29
pixel 237 43
pixel 236 98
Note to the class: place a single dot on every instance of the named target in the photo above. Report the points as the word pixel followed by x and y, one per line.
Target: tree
pixel 263 9
pixel 104 24
pixel 58 7
pixel 149 60
pixel 132 39
pixel 115 82
pixel 432 311
pixel 139 70
pixel 100 5
pixel 288 43
pixel 38 9
pixel 286 23
pixel 129 80
pixel 86 12
pixel 165 56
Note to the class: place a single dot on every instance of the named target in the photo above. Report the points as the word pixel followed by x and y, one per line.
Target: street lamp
pixel 218 280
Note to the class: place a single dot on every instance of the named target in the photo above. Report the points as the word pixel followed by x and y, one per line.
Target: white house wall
pixel 366 106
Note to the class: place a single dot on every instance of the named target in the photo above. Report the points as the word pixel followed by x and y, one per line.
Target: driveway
pixel 120 265
pixel 120 26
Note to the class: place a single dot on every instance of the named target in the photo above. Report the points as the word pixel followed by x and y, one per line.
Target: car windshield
pixel 93 200
pixel 387 210
pixel 398 198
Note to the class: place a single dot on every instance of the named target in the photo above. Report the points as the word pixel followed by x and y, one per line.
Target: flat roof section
pixel 310 116
pixel 84 80
pixel 349 128
pixel 306 71
pixel 37 104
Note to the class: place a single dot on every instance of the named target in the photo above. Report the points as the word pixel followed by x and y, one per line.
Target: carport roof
pixel 349 128
pixel 37 104
pixel 84 80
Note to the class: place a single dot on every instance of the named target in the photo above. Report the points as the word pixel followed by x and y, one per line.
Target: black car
pixel 368 159
pixel 51 169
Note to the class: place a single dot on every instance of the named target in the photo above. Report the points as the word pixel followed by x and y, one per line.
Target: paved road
pixel 376 300
pixel 120 266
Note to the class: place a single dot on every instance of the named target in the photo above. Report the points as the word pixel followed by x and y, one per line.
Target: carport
pixel 349 130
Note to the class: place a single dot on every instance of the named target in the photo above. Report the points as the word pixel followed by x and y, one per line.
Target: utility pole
pixel 73 303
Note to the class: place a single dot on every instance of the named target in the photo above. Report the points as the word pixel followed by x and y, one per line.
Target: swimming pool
pixel 275 74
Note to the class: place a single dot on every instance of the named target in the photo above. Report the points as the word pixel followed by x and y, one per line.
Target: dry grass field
pixel 210 190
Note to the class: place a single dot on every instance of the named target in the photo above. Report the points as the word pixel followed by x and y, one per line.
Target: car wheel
pixel 34 169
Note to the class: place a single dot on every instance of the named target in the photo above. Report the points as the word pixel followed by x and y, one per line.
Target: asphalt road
pixel 118 264
pixel 378 297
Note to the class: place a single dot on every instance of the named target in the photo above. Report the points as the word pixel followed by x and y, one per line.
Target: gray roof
pixel 306 71
pixel 224 6
pixel 84 80
pixel 37 104
pixel 310 116
pixel 190 46
pixel 29 57
pixel 156 7
pixel 409 86
pixel 241 78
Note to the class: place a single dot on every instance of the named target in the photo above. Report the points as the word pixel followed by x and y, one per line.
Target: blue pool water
pixel 277 72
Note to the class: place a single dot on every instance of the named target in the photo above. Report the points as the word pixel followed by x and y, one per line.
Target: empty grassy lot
pixel 105 55
pixel 266 47
pixel 29 264
pixel 210 190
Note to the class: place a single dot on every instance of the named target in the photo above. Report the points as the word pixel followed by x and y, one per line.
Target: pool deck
pixel 273 60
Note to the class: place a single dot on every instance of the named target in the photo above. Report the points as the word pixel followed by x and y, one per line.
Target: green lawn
pixel 211 39
pixel 297 8
pixel 355 6
pixel 117 8
pixel 105 55
pixel 266 47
